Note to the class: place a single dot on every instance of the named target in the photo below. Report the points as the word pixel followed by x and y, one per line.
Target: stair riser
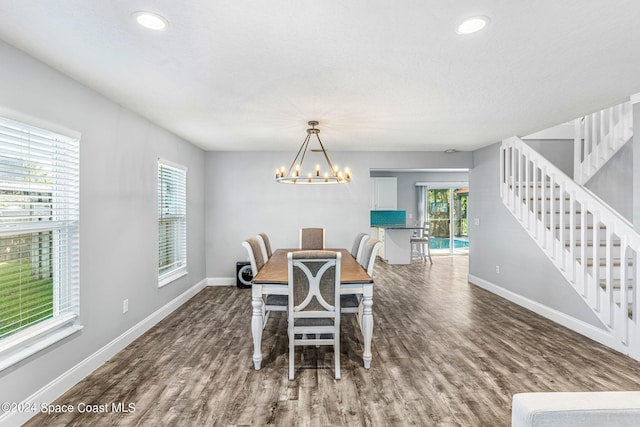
pixel 547 215
pixel 617 295
pixel 551 206
pixel 538 202
pixel 602 252
pixel 556 218
pixel 602 238
pixel 603 271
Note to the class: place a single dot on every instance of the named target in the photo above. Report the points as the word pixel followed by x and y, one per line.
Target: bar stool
pixel 421 243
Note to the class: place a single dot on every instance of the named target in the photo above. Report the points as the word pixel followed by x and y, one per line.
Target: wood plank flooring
pixel 444 353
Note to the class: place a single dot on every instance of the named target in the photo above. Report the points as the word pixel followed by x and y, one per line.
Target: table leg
pixel 257 320
pixel 367 323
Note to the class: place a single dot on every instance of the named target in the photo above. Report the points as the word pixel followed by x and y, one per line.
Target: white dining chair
pixel 369 254
pixel 352 304
pixel 314 309
pixel 271 302
pixel 265 246
pixel 358 245
pixel 256 258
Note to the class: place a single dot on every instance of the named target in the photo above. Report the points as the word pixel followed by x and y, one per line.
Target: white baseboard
pixel 64 382
pixel 221 281
pixel 599 335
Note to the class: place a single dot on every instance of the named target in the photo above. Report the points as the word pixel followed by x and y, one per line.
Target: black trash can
pixel 243 274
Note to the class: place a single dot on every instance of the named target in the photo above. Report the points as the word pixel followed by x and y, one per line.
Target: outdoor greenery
pixel 439 216
pixel 26 291
pixel 461 227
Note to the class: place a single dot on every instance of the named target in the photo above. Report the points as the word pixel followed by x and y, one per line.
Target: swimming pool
pixel 443 243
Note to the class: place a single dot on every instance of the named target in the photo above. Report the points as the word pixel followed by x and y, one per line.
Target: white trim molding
pixel 439 185
pixel 64 382
pixel 26 343
pixel 221 281
pixel 597 334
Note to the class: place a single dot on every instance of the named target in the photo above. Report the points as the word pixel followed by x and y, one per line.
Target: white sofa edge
pixel 583 409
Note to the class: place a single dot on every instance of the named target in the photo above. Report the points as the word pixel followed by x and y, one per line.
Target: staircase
pixel 598 137
pixel 596 250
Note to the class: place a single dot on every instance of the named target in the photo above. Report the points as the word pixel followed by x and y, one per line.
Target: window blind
pixel 39 230
pixel 172 221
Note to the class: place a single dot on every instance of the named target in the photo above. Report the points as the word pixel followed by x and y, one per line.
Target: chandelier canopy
pixel 297 175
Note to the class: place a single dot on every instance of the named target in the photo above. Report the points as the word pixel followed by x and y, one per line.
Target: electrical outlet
pixel 476 221
pixel 497 269
pixel 125 306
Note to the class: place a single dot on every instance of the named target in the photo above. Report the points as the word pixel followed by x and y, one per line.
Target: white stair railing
pixel 598 137
pixel 595 249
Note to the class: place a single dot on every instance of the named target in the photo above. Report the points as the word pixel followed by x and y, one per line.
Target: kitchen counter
pixel 396 240
pixel 399 227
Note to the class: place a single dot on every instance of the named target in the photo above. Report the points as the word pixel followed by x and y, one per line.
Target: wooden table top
pixel 276 269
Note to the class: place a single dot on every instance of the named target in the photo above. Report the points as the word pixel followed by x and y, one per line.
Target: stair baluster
pixel 595 249
pixel 598 137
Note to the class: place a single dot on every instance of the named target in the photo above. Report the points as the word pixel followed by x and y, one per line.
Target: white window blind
pixel 172 221
pixel 39 234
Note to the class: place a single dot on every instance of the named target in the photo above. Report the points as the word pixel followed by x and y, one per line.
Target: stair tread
pixel 579 227
pixel 590 244
pixel 553 198
pixel 547 185
pixel 546 198
pixel 616 283
pixel 603 263
pixel 565 212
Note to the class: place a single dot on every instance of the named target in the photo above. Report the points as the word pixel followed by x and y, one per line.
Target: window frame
pixel 18 133
pixel 179 212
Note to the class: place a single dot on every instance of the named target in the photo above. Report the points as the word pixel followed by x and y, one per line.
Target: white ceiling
pixel 378 75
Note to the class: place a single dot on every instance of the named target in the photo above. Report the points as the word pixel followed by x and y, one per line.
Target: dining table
pixel 272 279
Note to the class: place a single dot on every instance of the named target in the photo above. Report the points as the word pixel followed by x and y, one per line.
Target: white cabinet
pixel 384 194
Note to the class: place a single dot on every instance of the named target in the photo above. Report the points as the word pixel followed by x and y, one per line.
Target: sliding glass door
pixel 438 213
pixel 447 215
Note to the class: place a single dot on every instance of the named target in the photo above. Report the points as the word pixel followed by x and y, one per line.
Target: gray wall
pixel 613 183
pixel 499 239
pixel 118 229
pixel 557 151
pixel 231 196
pixel 407 193
pixel 243 199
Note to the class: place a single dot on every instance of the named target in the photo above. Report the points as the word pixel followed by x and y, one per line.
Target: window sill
pixel 172 276
pixel 27 343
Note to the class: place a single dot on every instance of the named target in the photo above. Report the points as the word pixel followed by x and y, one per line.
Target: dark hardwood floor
pixel 444 353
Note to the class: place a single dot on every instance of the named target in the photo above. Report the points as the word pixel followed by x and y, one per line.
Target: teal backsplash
pixel 388 217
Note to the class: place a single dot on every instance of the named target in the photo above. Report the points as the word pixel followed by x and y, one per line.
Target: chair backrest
pixel 369 252
pixel 425 229
pixel 314 285
pixel 265 246
pixel 312 238
pixel 314 302
pixel 358 244
pixel 255 254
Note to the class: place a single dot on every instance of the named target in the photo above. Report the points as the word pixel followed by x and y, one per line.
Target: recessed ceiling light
pixel 451 150
pixel 151 21
pixel 473 24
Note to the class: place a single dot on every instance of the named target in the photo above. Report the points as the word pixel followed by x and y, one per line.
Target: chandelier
pixel 296 175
